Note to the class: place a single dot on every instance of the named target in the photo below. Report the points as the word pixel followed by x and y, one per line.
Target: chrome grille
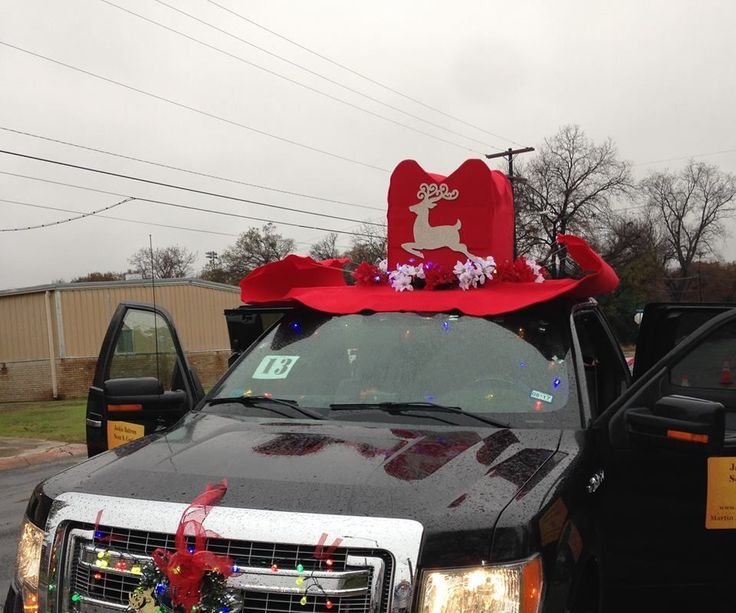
pixel 107 588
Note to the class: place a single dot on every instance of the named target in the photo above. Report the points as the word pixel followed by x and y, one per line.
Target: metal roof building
pixel 50 335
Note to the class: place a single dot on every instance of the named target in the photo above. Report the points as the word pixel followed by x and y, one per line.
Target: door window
pixel 145 348
pixel 711 364
pixel 606 376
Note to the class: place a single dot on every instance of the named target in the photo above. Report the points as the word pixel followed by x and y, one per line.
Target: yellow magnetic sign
pixel 720 507
pixel 121 432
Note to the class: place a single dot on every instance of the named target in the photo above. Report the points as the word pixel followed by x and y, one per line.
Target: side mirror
pixel 678 422
pixel 141 394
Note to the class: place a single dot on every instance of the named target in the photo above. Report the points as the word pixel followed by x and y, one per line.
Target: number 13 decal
pixel 275 367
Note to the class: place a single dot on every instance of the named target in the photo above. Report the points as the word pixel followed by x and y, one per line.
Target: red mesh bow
pixel 184 568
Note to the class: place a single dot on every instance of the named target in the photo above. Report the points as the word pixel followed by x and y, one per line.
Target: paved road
pixel 16 486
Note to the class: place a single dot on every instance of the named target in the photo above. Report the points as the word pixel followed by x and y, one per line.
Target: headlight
pixel 506 588
pixel 28 564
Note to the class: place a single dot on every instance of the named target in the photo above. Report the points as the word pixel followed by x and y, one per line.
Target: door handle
pixel 94 423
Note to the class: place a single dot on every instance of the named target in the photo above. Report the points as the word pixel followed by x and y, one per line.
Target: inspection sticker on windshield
pixel 537 395
pixel 275 367
pixel 720 506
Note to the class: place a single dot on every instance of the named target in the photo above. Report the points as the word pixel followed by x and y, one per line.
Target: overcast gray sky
pixel 656 76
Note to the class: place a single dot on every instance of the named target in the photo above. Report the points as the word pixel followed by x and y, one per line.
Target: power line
pixel 315 73
pixel 261 219
pixel 67 220
pixel 181 187
pixel 189 171
pixel 685 157
pixel 182 206
pixel 358 74
pixel 194 109
pixel 138 221
pixel 284 77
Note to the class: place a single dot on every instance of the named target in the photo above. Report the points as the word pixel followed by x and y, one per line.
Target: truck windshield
pixel 516 368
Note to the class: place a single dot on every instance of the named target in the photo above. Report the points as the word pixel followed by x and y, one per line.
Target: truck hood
pixel 451 480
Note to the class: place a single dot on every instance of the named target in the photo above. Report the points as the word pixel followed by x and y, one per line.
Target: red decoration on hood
pixel 184 568
pixel 321 287
pixel 446 219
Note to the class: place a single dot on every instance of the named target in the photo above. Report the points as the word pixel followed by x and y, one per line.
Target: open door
pixel 668 501
pixel 142 381
pixel 664 325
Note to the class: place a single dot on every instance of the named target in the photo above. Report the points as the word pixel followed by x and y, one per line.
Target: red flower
pixel 185 568
pixel 518 272
pixel 435 277
pixel 367 275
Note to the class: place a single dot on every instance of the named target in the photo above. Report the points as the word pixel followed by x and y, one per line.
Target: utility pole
pixel 212 257
pixel 509 155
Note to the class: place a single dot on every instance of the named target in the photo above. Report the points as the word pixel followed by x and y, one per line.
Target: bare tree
pixel 99 276
pixel 371 246
pixel 567 187
pixel 171 262
pixel 325 248
pixel 252 249
pixel 690 207
pixel 627 238
pixel 213 270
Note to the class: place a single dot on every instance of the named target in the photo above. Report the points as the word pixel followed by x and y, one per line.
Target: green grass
pixel 61 420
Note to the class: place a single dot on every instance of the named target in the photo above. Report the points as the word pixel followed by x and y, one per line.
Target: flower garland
pixel 466 275
pixel 154 594
pixel 189 579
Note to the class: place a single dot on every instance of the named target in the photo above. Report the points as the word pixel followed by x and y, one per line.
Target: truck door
pixel 142 381
pixel 668 501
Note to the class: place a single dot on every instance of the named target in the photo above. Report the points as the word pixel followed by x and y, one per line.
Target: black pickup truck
pixel 499 464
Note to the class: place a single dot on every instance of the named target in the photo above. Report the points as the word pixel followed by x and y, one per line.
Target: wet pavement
pixel 16 452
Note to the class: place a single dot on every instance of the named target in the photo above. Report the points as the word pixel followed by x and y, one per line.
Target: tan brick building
pixel 50 335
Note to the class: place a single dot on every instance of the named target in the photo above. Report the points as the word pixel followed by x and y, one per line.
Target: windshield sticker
pixel 275 367
pixel 537 395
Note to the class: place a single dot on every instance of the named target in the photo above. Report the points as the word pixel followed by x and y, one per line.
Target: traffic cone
pixel 726 377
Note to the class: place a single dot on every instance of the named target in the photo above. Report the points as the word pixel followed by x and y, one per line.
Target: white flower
pixel 485 267
pixel 466 274
pixel 536 270
pixel 419 271
pixel 401 278
pixel 383 265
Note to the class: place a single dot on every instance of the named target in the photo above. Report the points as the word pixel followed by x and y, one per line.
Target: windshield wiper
pixel 404 407
pixel 261 402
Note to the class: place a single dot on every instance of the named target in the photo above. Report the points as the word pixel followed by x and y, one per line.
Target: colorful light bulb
pixel 328 604
pixel 300 568
pixel 274 568
pixel 303 601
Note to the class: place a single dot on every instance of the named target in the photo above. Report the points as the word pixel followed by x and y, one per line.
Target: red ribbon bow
pixel 185 568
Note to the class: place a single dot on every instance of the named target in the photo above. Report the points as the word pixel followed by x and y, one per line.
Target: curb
pixel 49 455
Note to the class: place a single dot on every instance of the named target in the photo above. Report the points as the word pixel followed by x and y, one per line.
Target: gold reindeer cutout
pixel 434 237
